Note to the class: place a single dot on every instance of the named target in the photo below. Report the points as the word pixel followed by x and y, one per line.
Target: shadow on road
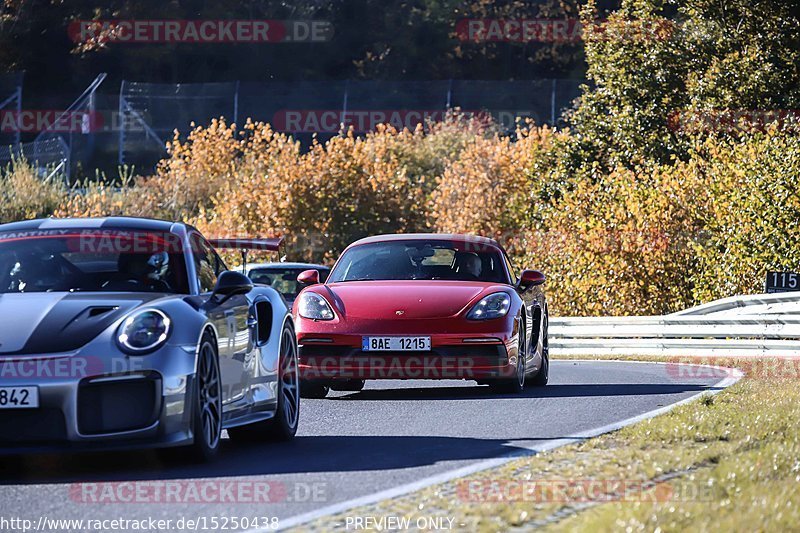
pixel 303 455
pixel 309 454
pixel 373 447
pixel 550 391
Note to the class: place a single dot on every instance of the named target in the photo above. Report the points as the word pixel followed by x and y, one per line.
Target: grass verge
pixel 727 462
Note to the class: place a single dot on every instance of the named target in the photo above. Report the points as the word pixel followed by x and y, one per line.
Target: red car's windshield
pixel 419 260
pixel 88 260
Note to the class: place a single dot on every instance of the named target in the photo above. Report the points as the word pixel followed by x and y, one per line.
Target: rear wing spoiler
pixel 270 245
pixel 245 245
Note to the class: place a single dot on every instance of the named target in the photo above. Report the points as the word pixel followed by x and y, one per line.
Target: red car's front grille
pixel 449 362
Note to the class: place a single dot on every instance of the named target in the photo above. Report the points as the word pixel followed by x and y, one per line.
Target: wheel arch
pixel 537 324
pixel 290 321
pixel 208 327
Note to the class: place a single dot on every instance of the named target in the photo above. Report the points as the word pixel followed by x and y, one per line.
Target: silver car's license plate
pixel 19 397
pixel 396 344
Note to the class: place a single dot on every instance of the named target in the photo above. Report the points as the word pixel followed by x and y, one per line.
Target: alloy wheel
pixel 290 381
pixel 210 396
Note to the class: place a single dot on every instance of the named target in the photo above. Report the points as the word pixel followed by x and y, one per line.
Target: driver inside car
pixel 468 265
pixel 34 273
pixel 141 269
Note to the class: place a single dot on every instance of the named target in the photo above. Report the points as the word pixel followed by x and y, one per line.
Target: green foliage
pixel 741 54
pixel 751 223
pixel 654 60
pixel 637 75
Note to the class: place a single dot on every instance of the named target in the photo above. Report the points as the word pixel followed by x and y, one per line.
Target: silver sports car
pixel 127 332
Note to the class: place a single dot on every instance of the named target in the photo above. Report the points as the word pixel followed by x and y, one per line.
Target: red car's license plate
pixel 396 344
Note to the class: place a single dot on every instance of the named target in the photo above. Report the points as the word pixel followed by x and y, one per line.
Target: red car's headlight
pixel 314 307
pixel 493 306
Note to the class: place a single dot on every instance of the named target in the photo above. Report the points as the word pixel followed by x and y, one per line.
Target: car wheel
pixel 541 377
pixel 313 391
pixel 349 385
pixel 207 402
pixel 283 426
pixel 514 384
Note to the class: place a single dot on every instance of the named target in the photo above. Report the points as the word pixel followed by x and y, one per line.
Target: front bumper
pixel 451 357
pixel 89 403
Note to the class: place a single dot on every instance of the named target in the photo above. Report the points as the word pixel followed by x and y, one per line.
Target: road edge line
pixel 486 464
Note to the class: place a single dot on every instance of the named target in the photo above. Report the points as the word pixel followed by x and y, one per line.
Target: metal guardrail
pixel 780 303
pixel 755 325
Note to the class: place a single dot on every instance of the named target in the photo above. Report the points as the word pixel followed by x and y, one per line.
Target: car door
pixel 230 318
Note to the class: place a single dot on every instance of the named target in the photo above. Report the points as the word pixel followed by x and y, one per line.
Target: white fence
pixel 763 324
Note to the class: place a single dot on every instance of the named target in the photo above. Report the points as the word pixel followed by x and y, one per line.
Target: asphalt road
pixel 350 445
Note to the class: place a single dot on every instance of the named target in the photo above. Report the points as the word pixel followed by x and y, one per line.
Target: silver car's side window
pixel 205 262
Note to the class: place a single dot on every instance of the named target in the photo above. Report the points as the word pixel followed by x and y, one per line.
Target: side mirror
pixel 308 277
pixel 231 283
pixel 530 278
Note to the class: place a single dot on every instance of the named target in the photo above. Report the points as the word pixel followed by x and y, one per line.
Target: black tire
pixel 313 391
pixel 543 375
pixel 515 384
pixel 349 385
pixel 283 426
pixel 206 403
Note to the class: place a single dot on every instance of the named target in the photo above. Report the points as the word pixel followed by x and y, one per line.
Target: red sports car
pixel 422 306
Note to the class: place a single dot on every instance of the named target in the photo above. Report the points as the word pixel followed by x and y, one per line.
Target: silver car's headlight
pixel 314 307
pixel 493 306
pixel 144 331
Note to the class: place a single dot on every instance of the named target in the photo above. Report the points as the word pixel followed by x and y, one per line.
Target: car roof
pixel 251 266
pixel 451 237
pixel 135 223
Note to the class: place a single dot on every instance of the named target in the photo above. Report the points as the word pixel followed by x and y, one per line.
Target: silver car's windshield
pixel 90 260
